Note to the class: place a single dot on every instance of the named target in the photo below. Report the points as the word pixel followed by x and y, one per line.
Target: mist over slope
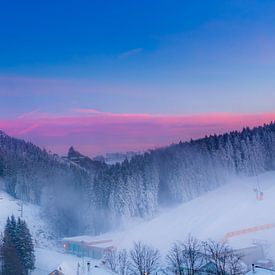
pixel 229 208
pixel 35 176
pixel 183 171
pixel 47 255
pixel 91 197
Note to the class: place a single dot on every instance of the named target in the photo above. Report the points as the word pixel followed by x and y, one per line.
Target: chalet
pixel 87 246
pixel 204 267
pixel 208 268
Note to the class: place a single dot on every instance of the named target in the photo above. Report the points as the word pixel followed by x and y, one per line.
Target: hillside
pixel 230 208
pixel 181 172
pixel 81 196
pixel 42 235
pixel 47 256
pixel 39 177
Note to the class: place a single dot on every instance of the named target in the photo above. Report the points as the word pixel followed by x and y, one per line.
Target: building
pixel 56 272
pixel 266 263
pixel 257 270
pixel 87 246
pixel 251 254
pixel 207 268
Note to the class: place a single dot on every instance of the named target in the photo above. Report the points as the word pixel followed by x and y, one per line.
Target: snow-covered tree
pixel 17 248
pixel 24 245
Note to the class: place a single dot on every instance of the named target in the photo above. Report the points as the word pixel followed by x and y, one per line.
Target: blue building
pixel 87 246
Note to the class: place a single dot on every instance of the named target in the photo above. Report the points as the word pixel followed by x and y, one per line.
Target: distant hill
pixel 113 158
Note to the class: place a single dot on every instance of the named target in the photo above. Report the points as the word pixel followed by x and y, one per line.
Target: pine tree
pixel 24 246
pixel 17 248
pixel 12 228
pixel 1 166
pixel 11 260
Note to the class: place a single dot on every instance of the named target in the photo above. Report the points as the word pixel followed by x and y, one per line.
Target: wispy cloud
pixel 130 53
pixel 17 85
pixel 94 132
pixel 86 111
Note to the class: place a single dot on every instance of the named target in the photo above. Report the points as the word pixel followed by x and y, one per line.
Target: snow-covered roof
pixel 87 239
pixel 101 245
pixel 260 271
pixel 91 241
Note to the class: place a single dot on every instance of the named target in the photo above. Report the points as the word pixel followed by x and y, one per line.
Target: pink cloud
pixel 94 132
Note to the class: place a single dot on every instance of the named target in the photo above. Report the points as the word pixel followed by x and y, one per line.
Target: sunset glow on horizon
pixel 93 132
pixel 134 75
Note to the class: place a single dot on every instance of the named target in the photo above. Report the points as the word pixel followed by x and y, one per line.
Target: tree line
pixel 179 173
pixel 184 258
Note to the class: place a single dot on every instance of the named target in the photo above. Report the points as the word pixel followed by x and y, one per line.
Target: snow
pixel 88 239
pixel 47 259
pixel 228 208
pixel 31 213
pixel 259 271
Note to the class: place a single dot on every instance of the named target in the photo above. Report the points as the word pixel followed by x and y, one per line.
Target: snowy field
pixel 230 208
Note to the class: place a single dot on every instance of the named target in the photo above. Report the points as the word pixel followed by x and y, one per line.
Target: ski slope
pixel 230 208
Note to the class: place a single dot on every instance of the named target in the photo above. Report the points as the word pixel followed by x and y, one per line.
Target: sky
pixel 108 76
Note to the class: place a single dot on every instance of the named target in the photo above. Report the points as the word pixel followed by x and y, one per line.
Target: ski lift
pixel 258 191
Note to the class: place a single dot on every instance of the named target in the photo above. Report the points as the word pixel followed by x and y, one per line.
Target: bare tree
pixel 217 253
pixel 144 259
pixel 235 265
pixel 123 262
pixel 225 259
pixel 110 258
pixel 192 255
pixel 187 257
pixel 117 261
pixel 175 259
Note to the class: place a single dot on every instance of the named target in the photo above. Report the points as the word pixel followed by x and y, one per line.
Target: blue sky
pixel 137 57
pixel 185 50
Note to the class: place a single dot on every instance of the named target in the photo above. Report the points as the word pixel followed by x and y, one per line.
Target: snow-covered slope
pixel 47 258
pixel 230 208
pixel 31 213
